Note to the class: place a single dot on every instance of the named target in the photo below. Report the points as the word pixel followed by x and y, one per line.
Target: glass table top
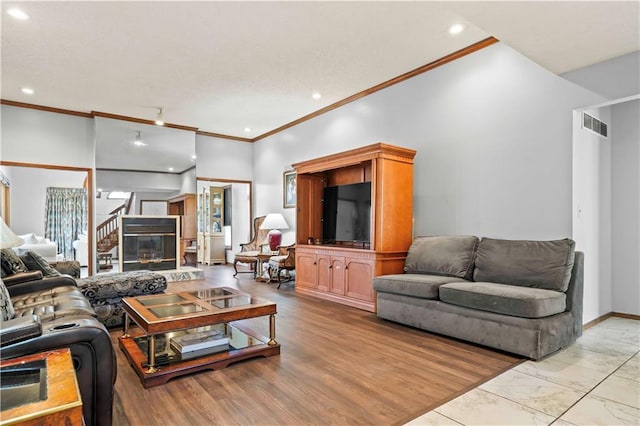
pixel 193 302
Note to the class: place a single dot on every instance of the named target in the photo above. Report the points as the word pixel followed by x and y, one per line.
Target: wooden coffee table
pixel 160 317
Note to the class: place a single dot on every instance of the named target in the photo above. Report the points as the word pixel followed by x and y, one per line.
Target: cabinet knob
pixel 330 266
pixel 314 263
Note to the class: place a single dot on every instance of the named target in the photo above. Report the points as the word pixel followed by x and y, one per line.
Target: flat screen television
pixel 347 213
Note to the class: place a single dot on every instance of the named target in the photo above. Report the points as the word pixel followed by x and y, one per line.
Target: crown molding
pixel 399 79
pixel 420 70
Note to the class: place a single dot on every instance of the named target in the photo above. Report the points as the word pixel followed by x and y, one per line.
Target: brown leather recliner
pixel 51 313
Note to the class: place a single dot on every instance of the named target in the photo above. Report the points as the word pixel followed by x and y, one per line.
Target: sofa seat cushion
pixel 538 264
pixel 442 255
pixel 504 299
pixel 415 285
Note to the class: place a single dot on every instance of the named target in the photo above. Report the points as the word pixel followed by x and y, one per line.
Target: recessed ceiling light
pixel 16 13
pixel 99 189
pixel 456 29
pixel 27 90
pixel 139 143
pixel 316 95
pixel 193 157
pixel 170 169
pixel 247 129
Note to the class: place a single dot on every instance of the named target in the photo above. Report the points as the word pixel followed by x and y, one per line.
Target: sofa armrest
pixel 21 277
pixel 40 285
pixel 19 329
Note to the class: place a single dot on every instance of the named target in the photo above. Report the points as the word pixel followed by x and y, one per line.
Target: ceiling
pixel 224 66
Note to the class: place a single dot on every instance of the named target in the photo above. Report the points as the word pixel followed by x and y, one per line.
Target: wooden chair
pixel 248 253
pixel 285 261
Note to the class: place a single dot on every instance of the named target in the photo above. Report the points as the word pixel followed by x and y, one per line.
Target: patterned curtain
pixel 66 217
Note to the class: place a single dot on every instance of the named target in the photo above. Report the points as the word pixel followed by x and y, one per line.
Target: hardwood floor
pixel 338 365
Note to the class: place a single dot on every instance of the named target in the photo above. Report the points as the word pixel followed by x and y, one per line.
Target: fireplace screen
pixel 149 243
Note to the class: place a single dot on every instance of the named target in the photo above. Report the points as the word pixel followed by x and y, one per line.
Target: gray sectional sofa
pixel 523 297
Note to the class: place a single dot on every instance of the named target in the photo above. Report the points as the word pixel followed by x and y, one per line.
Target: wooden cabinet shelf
pixel 184 205
pixel 344 272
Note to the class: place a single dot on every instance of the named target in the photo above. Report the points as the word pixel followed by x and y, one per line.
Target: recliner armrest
pixel 21 277
pixel 40 285
pixel 19 329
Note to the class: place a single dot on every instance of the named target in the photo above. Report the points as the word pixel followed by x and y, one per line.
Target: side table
pixel 62 404
pixel 263 259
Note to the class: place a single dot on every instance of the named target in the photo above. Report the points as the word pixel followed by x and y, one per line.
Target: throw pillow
pixel 11 263
pixel 29 238
pixel 35 262
pixel 6 307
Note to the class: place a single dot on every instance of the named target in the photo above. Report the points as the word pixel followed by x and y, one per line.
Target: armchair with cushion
pixel 249 251
pixel 284 261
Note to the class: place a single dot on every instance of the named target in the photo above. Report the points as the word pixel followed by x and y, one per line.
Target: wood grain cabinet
pixel 340 271
pixel 184 205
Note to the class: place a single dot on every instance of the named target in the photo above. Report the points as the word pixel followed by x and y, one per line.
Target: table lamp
pixel 7 238
pixel 274 222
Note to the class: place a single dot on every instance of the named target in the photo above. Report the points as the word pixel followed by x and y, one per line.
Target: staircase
pixel 107 231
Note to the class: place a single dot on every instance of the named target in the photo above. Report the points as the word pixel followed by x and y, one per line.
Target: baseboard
pixel 607 316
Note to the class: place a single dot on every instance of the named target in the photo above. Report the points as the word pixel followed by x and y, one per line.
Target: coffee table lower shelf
pixel 138 358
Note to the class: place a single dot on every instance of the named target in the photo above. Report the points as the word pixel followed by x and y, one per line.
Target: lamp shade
pixel 7 238
pixel 275 222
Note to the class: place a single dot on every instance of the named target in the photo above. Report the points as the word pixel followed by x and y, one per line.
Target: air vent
pixel 595 125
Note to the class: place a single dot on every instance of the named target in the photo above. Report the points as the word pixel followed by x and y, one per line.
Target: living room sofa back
pixel 523 297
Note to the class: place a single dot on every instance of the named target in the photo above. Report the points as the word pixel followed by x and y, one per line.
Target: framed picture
pixel 289 189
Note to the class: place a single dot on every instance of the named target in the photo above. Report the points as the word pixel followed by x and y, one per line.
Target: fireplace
pixel 148 242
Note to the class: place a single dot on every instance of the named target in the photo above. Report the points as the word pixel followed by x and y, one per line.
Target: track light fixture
pixel 160 118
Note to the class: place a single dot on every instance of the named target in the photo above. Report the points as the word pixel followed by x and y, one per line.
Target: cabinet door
pixel 324 272
pixel 359 279
pixel 336 285
pixel 306 270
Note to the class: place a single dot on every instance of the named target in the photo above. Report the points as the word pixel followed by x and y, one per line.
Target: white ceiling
pixel 224 66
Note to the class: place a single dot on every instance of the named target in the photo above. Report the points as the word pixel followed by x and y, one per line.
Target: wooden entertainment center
pixel 343 271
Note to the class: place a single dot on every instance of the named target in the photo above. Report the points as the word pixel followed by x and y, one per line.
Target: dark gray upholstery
pixel 521 316
pixel 442 255
pixel 540 264
pixel 416 285
pixel 505 299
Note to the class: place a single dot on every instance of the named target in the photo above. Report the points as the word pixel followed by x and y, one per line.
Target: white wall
pixel 33 136
pixel 223 159
pixel 625 202
pixel 29 194
pixel 493 134
pixel 592 212
pixel 614 79
pixel 188 182
pixel 109 180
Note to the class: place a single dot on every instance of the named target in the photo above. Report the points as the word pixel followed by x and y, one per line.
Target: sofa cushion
pixel 442 255
pixel 6 306
pixel 539 264
pixel 29 238
pixel 415 285
pixel 504 299
pixel 11 263
pixel 35 262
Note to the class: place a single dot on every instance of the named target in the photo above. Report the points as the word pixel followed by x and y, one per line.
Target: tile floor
pixel 596 381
